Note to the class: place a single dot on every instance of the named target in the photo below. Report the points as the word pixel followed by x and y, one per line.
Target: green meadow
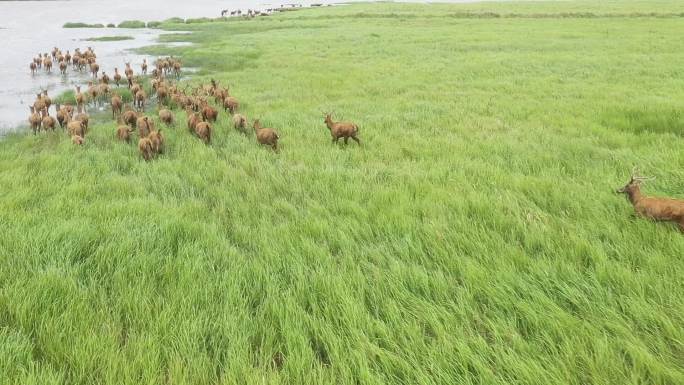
pixel 475 237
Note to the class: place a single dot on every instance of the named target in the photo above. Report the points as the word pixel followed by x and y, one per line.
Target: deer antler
pixel 636 177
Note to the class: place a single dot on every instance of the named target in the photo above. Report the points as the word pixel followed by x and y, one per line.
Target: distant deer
pixel 128 71
pixel 344 130
pixel 47 64
pixel 80 99
pixel 117 76
pixel 659 209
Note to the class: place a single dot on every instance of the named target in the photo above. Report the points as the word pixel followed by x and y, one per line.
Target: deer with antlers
pixel 659 209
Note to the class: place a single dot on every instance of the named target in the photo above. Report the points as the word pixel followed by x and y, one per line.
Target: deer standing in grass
pixel 344 130
pixel 80 100
pixel 658 209
pixel 266 136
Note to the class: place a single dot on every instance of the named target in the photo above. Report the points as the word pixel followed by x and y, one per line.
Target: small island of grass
pixel 82 25
pixel 131 24
pixel 110 38
pixel 175 20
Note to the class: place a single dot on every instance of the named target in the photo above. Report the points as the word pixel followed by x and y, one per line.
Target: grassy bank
pixel 475 236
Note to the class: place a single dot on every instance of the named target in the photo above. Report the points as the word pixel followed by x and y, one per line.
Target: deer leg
pixel 356 140
pixel 346 140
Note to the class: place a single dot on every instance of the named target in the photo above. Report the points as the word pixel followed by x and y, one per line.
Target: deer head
pixel 634 182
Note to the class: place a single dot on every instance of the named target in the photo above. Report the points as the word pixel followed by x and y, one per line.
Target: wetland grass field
pixel 475 237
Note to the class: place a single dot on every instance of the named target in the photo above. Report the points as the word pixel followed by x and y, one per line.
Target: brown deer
pixel 203 131
pixel 39 103
pixel 130 117
pixel 240 123
pixel 193 119
pixel 46 99
pixel 166 116
pixel 62 115
pixel 35 120
pixel 140 98
pixel 124 133
pixel 117 106
pixel 76 128
pixel 177 68
pixel 128 71
pixel 157 140
pixel 145 148
pixel 344 130
pixel 266 136
pixel 231 104
pixel 117 76
pixel 144 126
pixel 47 64
pixel 80 99
pixel 209 113
pixel 658 209
pixel 94 69
pixel 48 121
pixel 77 140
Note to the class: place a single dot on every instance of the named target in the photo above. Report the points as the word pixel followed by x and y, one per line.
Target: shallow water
pixel 31 27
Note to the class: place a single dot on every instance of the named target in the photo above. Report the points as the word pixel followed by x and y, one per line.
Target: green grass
pixel 154 24
pixel 69 97
pixel 131 24
pixel 66 97
pixel 82 25
pixel 200 20
pixel 474 238
pixel 174 20
pixel 110 38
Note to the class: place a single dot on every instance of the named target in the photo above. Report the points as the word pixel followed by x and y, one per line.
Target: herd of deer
pixel 79 61
pixel 201 114
pixel 255 12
